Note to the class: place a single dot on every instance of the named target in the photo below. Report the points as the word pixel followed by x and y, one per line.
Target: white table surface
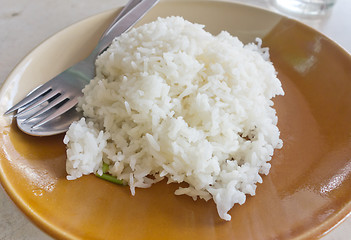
pixel 26 23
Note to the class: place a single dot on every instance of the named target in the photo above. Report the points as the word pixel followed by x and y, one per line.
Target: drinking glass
pixel 304 7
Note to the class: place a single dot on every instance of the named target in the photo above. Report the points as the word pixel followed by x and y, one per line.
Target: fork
pixel 59 95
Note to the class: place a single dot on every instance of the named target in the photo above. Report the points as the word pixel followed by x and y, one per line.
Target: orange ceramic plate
pixel 307 192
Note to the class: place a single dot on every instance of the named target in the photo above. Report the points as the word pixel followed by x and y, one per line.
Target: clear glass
pixel 304 7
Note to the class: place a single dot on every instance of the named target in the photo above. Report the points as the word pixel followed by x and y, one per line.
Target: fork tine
pixel 62 109
pixel 41 90
pixel 52 104
pixel 45 97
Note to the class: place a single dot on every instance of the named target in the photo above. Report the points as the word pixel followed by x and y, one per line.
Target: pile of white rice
pixel 171 100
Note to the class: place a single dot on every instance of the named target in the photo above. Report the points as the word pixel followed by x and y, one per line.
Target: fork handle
pixel 129 6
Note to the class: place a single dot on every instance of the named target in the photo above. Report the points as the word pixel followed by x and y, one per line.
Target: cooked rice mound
pixel 172 101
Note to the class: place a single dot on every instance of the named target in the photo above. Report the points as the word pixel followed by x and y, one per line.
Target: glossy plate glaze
pixel 307 192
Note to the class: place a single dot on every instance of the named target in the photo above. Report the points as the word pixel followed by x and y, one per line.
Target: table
pixel 24 24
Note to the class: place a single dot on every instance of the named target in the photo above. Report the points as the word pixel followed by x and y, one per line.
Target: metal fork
pixel 55 99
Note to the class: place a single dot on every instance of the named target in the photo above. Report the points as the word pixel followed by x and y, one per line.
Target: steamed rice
pixel 172 101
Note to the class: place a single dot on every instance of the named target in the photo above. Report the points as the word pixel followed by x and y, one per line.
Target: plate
pixel 307 192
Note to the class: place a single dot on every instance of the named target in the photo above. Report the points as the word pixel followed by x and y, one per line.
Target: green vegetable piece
pixel 110 178
pixel 105 167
